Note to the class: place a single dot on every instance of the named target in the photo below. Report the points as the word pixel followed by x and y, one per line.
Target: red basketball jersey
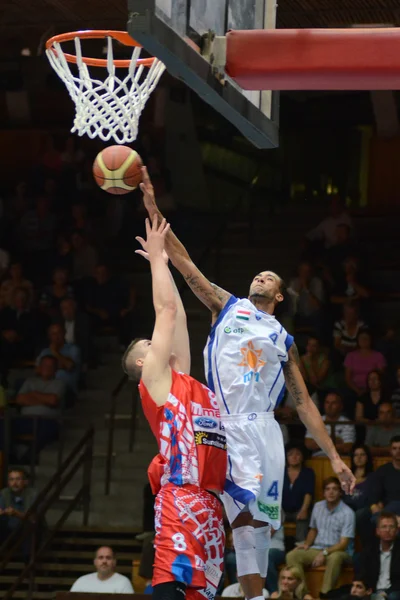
pixel 190 435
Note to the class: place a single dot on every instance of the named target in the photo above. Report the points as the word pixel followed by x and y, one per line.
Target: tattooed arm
pixel 311 417
pixel 210 294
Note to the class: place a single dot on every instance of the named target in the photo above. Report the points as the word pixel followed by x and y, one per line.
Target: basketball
pixel 117 170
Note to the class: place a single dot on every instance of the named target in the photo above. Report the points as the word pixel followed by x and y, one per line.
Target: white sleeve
pixel 126 587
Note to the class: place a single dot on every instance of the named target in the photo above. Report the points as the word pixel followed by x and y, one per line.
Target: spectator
pixel 78 330
pixel 385 484
pixel 80 221
pixel 4 262
pixel 339 251
pixel 380 562
pixel 345 332
pixel 349 286
pixel 326 231
pixel 20 331
pixel 105 580
pixel 362 361
pixel 41 396
pixel 379 437
pixel 344 435
pixel 362 468
pixel 276 557
pixel 63 257
pixel 314 366
pixel 15 500
pixel 359 589
pixel 309 293
pixel 331 531
pixel 292 585
pixel 84 256
pixel 68 357
pixel 54 294
pixel 37 227
pixel 298 491
pixel 395 399
pixel 17 204
pixel 15 280
pixel 104 297
pixel 367 405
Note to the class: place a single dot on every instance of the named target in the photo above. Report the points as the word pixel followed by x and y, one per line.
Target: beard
pixel 263 296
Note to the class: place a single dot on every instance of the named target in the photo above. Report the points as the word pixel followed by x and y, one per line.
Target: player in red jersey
pixel 189 472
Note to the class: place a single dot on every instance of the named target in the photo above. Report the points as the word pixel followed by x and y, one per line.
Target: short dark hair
pixel 105 546
pixel 385 514
pixel 134 373
pixel 49 357
pixel 296 446
pixel 330 480
pixel 17 470
pixel 395 439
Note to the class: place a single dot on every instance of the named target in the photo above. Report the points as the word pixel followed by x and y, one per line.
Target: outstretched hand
pixel 154 244
pixel 346 477
pixel 148 193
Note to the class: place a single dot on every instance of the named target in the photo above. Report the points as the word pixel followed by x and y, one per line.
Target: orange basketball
pixel 117 169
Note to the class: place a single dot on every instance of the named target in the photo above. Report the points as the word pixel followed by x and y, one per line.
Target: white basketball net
pixel 110 108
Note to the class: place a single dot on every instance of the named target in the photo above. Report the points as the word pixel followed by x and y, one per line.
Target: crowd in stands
pixel 57 289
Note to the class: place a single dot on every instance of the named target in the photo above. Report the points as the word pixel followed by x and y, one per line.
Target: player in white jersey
pixel 249 358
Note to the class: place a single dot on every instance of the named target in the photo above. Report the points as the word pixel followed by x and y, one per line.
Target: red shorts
pixel 189 540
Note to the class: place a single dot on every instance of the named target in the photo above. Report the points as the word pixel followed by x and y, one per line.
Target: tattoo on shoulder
pixel 222 295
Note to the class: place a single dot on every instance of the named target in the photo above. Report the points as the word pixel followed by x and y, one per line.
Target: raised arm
pixel 156 372
pixel 311 417
pixel 180 344
pixel 210 294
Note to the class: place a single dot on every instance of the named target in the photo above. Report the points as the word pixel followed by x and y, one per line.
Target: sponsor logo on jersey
pixel 271 510
pixel 239 330
pixel 243 315
pixel 252 417
pixel 258 317
pixel 206 423
pixel 251 357
pixel 208 438
pixel 259 477
pixel 199 411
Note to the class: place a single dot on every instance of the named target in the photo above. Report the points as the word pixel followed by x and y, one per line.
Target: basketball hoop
pixel 110 108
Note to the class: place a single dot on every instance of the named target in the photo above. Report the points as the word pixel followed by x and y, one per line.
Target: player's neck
pixel 263 304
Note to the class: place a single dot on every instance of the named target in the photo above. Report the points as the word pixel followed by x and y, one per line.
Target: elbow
pixel 167 309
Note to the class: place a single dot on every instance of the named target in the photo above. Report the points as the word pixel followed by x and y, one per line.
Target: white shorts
pixel 256 463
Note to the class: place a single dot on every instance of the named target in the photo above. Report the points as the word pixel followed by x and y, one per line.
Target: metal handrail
pixel 80 456
pixel 111 427
pixel 61 419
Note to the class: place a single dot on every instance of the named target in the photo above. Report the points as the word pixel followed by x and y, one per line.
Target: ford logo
pixel 206 423
pixel 252 417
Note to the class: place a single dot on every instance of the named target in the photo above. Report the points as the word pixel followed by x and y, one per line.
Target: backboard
pixel 178 33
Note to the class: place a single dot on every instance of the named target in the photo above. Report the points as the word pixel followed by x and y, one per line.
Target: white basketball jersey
pixel 243 359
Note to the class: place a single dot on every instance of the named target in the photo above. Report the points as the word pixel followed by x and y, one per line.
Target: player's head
pixel 105 562
pixel 267 286
pixel 133 359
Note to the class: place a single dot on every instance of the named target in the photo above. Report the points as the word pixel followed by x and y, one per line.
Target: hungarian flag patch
pixel 243 315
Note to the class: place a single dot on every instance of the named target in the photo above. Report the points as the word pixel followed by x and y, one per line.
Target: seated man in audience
pixel 15 501
pixel 326 230
pixel 343 435
pixel 385 483
pixel 78 330
pixel 105 580
pixel 41 396
pixel 360 589
pixel 380 562
pixel 309 293
pixel 20 330
pixel 346 330
pixel 332 528
pixel 378 437
pixel 68 357
pixel 105 297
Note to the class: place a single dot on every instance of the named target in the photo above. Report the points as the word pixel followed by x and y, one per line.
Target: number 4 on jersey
pixel 273 491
